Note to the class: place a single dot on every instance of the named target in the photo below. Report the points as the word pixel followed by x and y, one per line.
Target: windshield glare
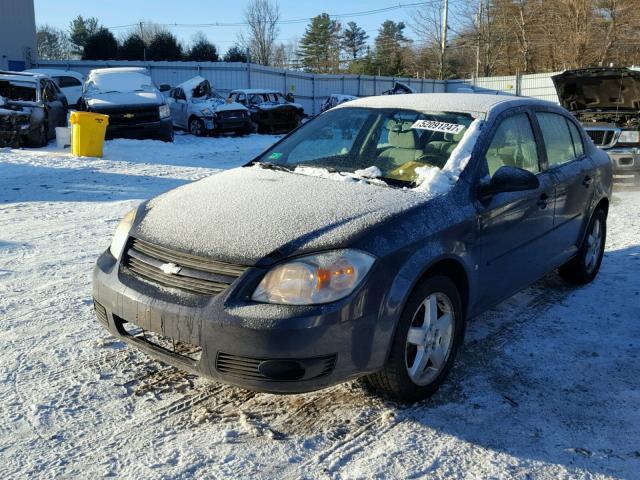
pixel 350 139
pixel 120 83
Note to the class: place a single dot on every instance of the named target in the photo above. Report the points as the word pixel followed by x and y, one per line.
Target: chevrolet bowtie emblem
pixel 170 268
pixel 128 115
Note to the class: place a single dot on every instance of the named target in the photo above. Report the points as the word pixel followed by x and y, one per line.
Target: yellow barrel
pixel 87 133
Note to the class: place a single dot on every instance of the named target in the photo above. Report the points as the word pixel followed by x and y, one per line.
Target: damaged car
pixel 359 245
pixel 200 110
pixel 271 111
pixel 334 100
pixel 31 107
pixel 607 103
pixel 134 104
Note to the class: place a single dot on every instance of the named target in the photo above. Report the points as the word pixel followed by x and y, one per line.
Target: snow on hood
pixel 124 98
pixel 598 89
pixel 274 105
pixel 437 181
pixel 245 214
pixel 220 105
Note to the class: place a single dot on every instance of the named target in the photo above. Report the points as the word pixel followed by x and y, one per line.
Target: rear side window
pixel 557 138
pixel 513 144
pixel 64 82
pixel 578 148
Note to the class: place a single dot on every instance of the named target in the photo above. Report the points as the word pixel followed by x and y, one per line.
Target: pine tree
pixel 132 48
pixel 102 45
pixel 202 50
pixel 80 29
pixel 319 49
pixel 391 45
pixel 235 54
pixel 354 40
pixel 165 46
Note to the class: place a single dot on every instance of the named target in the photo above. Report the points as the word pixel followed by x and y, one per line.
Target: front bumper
pixel 233 124
pixel 626 163
pixel 272 348
pixel 154 130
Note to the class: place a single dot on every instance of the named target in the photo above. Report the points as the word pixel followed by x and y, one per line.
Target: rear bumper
pixel 260 347
pixel 154 130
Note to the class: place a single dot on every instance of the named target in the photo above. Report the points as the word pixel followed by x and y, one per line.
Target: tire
pixel 168 137
pixel 196 127
pixel 39 137
pixel 403 380
pixel 584 267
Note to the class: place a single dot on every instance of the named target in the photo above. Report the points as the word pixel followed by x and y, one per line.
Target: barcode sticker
pixel 435 126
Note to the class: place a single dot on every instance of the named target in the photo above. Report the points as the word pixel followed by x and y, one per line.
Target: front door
pixel 514 227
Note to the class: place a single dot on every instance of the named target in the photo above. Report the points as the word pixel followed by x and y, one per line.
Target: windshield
pixel 120 82
pixel 18 91
pixel 395 141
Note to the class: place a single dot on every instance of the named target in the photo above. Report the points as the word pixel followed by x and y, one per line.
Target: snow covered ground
pixel 547 385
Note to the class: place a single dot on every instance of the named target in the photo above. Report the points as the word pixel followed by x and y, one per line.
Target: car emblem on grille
pixel 128 115
pixel 170 268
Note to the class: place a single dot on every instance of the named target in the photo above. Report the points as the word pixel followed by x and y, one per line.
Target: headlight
pixel 314 279
pixel 629 136
pixel 122 233
pixel 206 111
pixel 164 111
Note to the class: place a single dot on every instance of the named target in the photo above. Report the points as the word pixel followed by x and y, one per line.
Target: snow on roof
pixel 54 72
pixel 18 76
pixel 254 212
pixel 191 83
pixel 474 103
pixel 251 91
pixel 104 71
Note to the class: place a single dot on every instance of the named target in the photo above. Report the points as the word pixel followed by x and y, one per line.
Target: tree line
pixel 483 37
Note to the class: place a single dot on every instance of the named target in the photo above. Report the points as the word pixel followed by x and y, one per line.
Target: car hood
pixel 249 214
pixel 597 89
pixel 218 105
pixel 116 99
pixel 274 106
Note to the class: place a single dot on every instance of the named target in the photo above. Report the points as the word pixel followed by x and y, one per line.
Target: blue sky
pixel 121 12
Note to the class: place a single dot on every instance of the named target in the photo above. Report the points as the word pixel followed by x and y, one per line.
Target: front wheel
pixel 427 338
pixel 584 267
pixel 196 127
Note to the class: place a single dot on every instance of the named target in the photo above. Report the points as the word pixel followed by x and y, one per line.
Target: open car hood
pixel 246 214
pixel 598 89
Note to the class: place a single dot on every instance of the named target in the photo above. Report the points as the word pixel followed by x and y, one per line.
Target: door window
pixel 64 82
pixel 513 144
pixel 578 147
pixel 557 139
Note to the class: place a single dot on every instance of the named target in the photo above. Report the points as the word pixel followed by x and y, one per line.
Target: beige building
pixel 17 34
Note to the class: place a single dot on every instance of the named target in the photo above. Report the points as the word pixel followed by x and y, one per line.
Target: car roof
pixel 7 75
pixel 102 71
pixel 476 104
pixel 251 91
pixel 56 72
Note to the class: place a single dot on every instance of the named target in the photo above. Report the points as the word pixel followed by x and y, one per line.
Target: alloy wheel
pixel 430 339
pixel 195 128
pixel 594 245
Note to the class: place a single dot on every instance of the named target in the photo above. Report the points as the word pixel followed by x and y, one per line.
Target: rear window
pixel 18 90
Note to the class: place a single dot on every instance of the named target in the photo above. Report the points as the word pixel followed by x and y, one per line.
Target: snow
pixel 118 80
pixel 475 104
pixel 436 181
pixel 546 386
pixel 99 99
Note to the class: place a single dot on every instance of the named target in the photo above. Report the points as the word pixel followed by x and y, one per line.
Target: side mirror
pixel 164 87
pixel 508 179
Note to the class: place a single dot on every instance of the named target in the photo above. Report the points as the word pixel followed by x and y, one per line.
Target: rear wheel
pixel 196 127
pixel 425 344
pixel 584 267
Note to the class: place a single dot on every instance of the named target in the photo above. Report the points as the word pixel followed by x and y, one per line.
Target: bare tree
pixel 262 18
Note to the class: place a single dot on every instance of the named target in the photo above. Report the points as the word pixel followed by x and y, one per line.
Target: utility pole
pixel 144 45
pixel 443 47
pixel 478 27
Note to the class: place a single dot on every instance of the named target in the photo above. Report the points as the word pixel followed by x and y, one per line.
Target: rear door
pixel 55 106
pixel 573 172
pixel 514 227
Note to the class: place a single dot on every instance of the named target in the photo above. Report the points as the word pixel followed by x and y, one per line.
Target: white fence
pixel 309 89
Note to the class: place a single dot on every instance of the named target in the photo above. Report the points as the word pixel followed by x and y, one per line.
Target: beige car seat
pixel 403 144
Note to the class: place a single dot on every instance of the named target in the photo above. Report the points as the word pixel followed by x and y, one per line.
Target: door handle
pixel 542 201
pixel 587 181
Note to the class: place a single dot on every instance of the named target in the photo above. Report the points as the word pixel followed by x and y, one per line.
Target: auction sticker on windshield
pixel 435 126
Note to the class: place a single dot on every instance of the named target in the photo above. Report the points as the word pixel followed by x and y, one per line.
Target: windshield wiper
pixel 272 166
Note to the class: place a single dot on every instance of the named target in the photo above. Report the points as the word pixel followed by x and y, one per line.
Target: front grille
pixel 231 114
pixel 168 344
pixel 133 116
pixel 101 313
pixel 248 367
pixel 601 137
pixel 197 275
